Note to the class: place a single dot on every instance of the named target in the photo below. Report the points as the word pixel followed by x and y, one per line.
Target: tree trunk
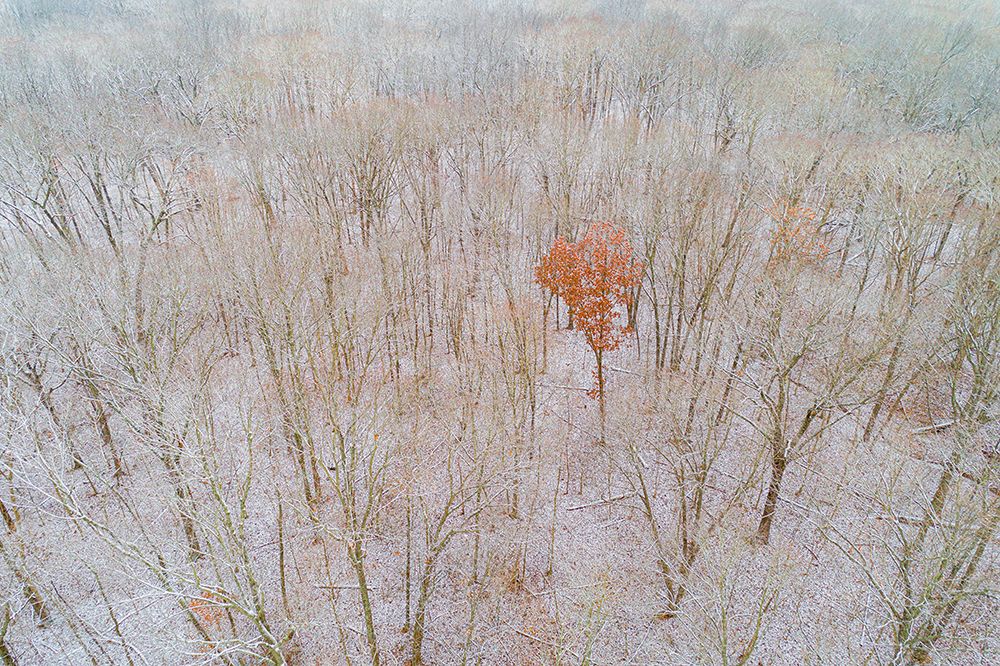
pixel 420 616
pixel 778 464
pixel 185 502
pixel 8 519
pixel 6 658
pixel 356 555
pixel 409 560
pixel 104 428
pixel 599 354
pixel 883 392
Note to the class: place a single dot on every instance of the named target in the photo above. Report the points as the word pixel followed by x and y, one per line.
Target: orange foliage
pixel 207 609
pixel 596 277
pixel 796 236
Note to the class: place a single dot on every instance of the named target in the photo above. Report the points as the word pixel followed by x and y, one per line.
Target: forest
pixel 499 332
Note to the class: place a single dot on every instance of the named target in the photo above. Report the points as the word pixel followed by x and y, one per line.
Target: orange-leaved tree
pixel 596 276
pixel 796 235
